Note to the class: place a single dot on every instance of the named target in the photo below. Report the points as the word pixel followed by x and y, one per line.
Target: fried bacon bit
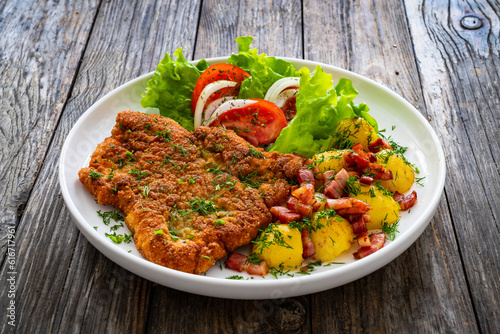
pixel 406 202
pixel 335 188
pixel 365 179
pixel 356 207
pixel 285 215
pixel 359 226
pixel 379 145
pixel 305 193
pixel 307 244
pixel 377 241
pixel 363 240
pixel 306 176
pixel 365 163
pixel 239 262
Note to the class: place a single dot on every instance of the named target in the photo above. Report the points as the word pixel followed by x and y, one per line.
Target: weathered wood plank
pixel 40 46
pixel 64 284
pixel 460 73
pixel 271 24
pixel 413 292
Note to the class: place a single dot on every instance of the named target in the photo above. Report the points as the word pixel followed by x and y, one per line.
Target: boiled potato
pixel 402 174
pixel 333 236
pixel 384 208
pixel 331 160
pixel 358 130
pixel 280 246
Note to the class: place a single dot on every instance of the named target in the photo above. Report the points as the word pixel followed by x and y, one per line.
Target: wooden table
pixel 58 57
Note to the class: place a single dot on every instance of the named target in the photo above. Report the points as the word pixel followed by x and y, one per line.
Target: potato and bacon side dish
pixel 344 196
pixel 306 172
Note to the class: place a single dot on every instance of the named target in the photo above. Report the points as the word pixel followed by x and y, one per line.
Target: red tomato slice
pixel 259 123
pixel 218 72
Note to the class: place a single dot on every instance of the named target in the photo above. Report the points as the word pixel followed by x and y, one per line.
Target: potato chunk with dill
pixel 331 160
pixel 331 237
pixel 280 246
pixel 384 208
pixel 352 131
pixel 402 174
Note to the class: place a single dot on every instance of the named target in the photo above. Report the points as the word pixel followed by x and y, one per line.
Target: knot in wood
pixel 471 22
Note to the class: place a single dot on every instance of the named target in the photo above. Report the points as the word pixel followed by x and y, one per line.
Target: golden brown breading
pixel 189 198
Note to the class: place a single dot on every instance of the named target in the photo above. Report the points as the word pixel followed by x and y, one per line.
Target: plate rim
pixel 267 288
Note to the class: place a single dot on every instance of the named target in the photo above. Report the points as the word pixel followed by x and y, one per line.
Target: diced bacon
pixel 367 218
pixel 379 145
pixel 277 210
pixel 364 252
pixel 360 204
pixel 239 262
pixel 359 161
pixel 377 242
pixel 236 261
pixel 359 226
pixel 305 193
pixel 304 210
pixel 338 203
pixel 351 211
pixel 398 197
pixel 292 203
pixel 306 176
pixel 372 157
pixel 357 148
pixel 261 269
pixel 379 172
pixel 333 190
pixel 342 177
pixel 328 176
pixel 365 179
pixel 288 217
pixel 295 187
pixel 352 173
pixel 378 239
pixel 285 215
pixel 307 244
pixel 363 240
pixel 408 201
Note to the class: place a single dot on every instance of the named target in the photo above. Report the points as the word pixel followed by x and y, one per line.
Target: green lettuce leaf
pixel 264 70
pixel 171 87
pixel 319 109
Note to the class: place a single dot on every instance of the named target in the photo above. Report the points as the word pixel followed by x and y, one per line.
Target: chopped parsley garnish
pixel 165 135
pixel 202 206
pixel 119 238
pixel 138 173
pixel 390 230
pixel 253 152
pixel 108 215
pixel 95 174
pixel 235 277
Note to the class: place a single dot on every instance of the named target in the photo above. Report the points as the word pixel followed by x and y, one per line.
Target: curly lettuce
pixel 264 70
pixel 320 107
pixel 171 87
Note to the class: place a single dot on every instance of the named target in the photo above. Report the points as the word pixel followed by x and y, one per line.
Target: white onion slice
pixel 279 86
pixel 205 94
pixel 285 96
pixel 209 110
pixel 226 106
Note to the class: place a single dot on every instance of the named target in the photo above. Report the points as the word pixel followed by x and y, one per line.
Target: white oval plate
pixel 411 130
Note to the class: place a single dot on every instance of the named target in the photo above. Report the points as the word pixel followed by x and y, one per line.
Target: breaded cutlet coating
pixel 188 198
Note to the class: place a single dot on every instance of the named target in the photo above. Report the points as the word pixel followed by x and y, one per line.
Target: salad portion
pixel 353 183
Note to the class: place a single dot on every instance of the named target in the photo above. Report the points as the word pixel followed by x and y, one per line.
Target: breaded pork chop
pixel 189 198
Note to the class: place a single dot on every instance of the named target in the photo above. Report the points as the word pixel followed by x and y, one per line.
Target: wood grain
pixel 460 74
pixel 65 284
pixel 40 47
pixel 410 294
